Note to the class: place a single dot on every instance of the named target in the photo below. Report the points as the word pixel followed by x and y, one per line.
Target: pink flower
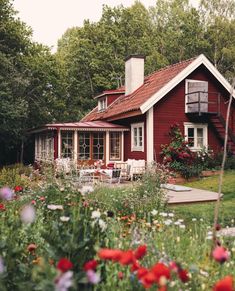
pixel 225 284
pixel 93 277
pixel 6 193
pixel 220 254
pixel 64 281
pixel 28 214
pixel 33 202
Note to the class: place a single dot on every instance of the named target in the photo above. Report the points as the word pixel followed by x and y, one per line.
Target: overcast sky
pixel 49 19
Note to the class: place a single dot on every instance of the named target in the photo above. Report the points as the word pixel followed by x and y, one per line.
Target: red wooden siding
pixel 56 144
pixel 111 98
pixel 171 109
pixel 128 154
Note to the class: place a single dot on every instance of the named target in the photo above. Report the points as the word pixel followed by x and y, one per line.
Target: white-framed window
pixel 115 146
pixel 195 91
pixel 102 104
pixel 137 137
pixel 196 134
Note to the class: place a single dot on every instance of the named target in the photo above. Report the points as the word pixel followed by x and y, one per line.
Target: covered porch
pixel 84 143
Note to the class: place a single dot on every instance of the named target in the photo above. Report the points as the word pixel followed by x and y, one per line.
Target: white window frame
pixel 102 104
pixel 204 126
pixel 187 81
pixel 138 148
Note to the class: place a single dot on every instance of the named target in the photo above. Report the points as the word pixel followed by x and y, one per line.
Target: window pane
pixel 84 146
pixel 140 137
pixel 98 146
pixel 115 146
pixel 200 137
pixel 67 144
pixel 191 137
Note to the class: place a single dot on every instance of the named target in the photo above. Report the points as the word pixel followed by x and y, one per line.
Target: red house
pixel 133 122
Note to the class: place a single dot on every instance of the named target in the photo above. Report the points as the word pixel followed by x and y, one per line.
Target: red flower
pixel 33 202
pixel 42 198
pixel 225 284
pixel 135 266
pixel 183 275
pixel 127 258
pixel 109 254
pixel 148 279
pixel 220 254
pixel 18 189
pixel 64 265
pixel 218 227
pixel 160 270
pixel 141 272
pixel 140 252
pixel 2 207
pixel 90 265
pixel 120 275
pixel 31 248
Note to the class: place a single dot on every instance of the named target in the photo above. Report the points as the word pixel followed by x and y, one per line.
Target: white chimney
pixel 134 73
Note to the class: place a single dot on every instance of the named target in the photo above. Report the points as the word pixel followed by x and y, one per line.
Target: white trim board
pixel 181 76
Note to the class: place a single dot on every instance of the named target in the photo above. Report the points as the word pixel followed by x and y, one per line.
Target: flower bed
pixel 56 238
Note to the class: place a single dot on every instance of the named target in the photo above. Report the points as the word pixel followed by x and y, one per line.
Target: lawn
pixel 206 210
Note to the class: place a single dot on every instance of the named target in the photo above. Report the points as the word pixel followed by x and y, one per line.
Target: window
pixel 196 135
pixel 84 146
pixel 44 146
pixel 102 104
pixel 137 137
pixel 67 144
pixel 115 146
pixel 98 146
pixel 196 91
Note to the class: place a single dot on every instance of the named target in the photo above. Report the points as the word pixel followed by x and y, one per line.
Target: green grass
pixel 206 210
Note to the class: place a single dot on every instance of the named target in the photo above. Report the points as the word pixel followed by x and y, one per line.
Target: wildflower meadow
pixel 55 236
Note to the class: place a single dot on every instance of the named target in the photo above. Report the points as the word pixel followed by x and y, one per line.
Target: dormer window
pixel 102 104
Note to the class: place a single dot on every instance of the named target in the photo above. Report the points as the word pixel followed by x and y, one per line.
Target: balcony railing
pixel 203 102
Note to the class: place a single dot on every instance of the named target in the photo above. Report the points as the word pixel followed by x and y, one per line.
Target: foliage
pixel 15 175
pixel 136 200
pixel 178 156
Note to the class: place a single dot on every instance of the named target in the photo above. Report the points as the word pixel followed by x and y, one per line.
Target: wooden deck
pixel 192 196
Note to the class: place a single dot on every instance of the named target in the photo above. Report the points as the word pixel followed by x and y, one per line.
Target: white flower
pixel 93 277
pixel 194 219
pixel 154 212
pixel 182 226
pixel 28 214
pixel 86 189
pixel 64 218
pixel 177 223
pixel 95 214
pixel 180 220
pixel 55 207
pixel 168 222
pixel 64 281
pixel 171 214
pixel 164 214
pixel 102 225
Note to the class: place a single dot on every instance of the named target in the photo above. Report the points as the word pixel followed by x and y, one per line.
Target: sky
pixel 49 19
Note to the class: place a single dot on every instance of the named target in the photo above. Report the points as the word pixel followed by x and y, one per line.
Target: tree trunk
pixel 22 152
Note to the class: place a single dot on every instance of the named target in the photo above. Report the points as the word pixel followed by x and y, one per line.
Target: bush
pixel 12 176
pixel 178 156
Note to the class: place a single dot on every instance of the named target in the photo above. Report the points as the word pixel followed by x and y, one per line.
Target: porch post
pixel 59 142
pixel 107 147
pixel 150 133
pixel 122 146
pixel 75 146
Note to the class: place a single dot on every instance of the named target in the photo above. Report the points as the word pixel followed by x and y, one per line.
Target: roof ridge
pixel 169 66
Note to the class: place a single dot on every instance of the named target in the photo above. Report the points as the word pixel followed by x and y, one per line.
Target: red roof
pixel 90 125
pixel 152 84
pixel 120 90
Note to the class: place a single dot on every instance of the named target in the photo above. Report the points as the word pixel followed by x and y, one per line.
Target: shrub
pixel 178 156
